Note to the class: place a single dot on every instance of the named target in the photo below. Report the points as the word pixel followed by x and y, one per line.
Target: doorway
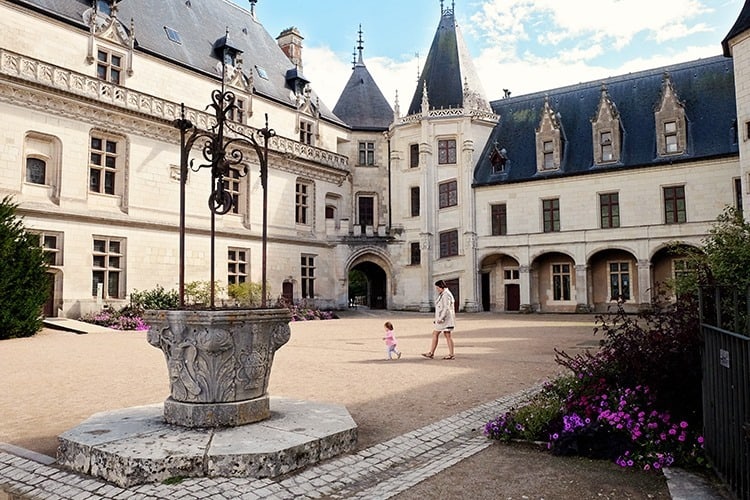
pixel 368 286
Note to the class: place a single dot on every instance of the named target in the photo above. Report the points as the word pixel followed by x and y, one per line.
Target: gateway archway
pixel 368 284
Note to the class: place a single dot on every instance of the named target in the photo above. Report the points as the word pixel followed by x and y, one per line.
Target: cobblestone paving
pixel 378 472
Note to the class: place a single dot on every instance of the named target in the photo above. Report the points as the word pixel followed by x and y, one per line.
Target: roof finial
pixel 354 57
pixel 252 7
pixel 442 10
pixel 360 45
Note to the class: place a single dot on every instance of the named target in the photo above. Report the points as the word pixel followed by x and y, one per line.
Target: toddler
pixel 390 341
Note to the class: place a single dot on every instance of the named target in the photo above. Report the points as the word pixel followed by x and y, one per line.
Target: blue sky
pixel 522 45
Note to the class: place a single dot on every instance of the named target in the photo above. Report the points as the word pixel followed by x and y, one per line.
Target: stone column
pixel 524 275
pixel 644 284
pixel 582 300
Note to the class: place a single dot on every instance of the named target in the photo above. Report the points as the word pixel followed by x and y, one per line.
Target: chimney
pixel 290 42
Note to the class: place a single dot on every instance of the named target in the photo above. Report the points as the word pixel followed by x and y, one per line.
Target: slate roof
pixel 447 68
pixel 362 105
pixel 741 25
pixel 200 23
pixel 705 87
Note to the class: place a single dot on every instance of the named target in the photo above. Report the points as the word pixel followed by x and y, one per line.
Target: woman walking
pixel 445 320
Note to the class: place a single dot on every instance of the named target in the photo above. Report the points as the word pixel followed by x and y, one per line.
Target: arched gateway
pixel 368 275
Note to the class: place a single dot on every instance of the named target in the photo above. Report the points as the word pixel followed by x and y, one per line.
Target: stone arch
pixel 376 267
pixel 667 262
pixel 553 282
pixel 500 285
pixel 612 275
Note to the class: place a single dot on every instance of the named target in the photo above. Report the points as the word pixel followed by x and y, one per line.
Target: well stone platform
pixel 134 445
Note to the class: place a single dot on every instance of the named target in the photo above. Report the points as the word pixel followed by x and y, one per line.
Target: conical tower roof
pixel 741 25
pixel 449 73
pixel 362 105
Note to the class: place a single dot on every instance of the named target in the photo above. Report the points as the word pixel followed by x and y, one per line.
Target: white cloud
pixel 328 73
pixel 532 45
pixel 615 21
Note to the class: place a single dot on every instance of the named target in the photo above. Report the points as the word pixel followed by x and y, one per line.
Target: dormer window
pixel 671 122
pixel 549 144
pixel 296 81
pixel 548 150
pixel 606 132
pixel 605 143
pixel 670 137
pixel 226 50
pixel 498 159
pixel 306 132
pixel 108 66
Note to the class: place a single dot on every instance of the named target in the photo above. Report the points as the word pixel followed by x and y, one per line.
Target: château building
pixel 556 201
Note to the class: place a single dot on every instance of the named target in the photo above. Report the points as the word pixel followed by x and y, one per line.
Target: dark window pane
pixel 94 181
pixel 36 171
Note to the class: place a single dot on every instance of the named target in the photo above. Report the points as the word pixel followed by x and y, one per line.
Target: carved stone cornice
pixel 474 114
pixel 29 82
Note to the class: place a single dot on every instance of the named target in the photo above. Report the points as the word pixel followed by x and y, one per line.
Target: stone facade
pixel 94 166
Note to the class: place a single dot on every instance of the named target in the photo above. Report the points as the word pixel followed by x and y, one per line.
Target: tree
pixel 727 250
pixel 24 286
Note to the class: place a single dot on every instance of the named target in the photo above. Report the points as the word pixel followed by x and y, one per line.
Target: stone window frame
pixel 551 215
pixel 447 151
pixel 306 132
pixel 107 267
pixel 46 148
pixel 448 194
pixel 415 201
pixel 238 265
pixel 606 131
pixel 449 244
pixel 239 112
pixel 106 68
pixel 415 253
pixel 737 190
pixel 549 143
pixel 366 154
pixel 563 292
pixel 670 121
pixel 618 272
pixel 52 243
pixel 674 204
pixel 121 168
pixel 375 200
pixel 609 201
pixel 498 219
pixel 414 155
pixel 307 275
pixel 303 202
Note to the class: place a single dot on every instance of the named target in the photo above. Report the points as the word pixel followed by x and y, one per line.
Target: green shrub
pixel 24 284
pixel 198 293
pixel 247 294
pixel 156 298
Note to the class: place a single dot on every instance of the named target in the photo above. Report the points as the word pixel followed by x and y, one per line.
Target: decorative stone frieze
pixel 40 85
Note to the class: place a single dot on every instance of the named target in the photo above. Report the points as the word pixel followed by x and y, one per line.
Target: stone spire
pixel 449 71
pixel 362 105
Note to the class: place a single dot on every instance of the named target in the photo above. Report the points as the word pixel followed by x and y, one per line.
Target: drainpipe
pixel 390 215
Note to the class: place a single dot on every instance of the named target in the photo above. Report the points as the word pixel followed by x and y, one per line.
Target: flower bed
pixel 635 401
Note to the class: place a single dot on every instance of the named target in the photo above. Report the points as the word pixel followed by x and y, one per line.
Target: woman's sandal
pixel 428 355
pixel 451 356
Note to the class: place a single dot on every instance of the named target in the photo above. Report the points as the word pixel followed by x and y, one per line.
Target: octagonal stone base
pixel 135 445
pixel 229 414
